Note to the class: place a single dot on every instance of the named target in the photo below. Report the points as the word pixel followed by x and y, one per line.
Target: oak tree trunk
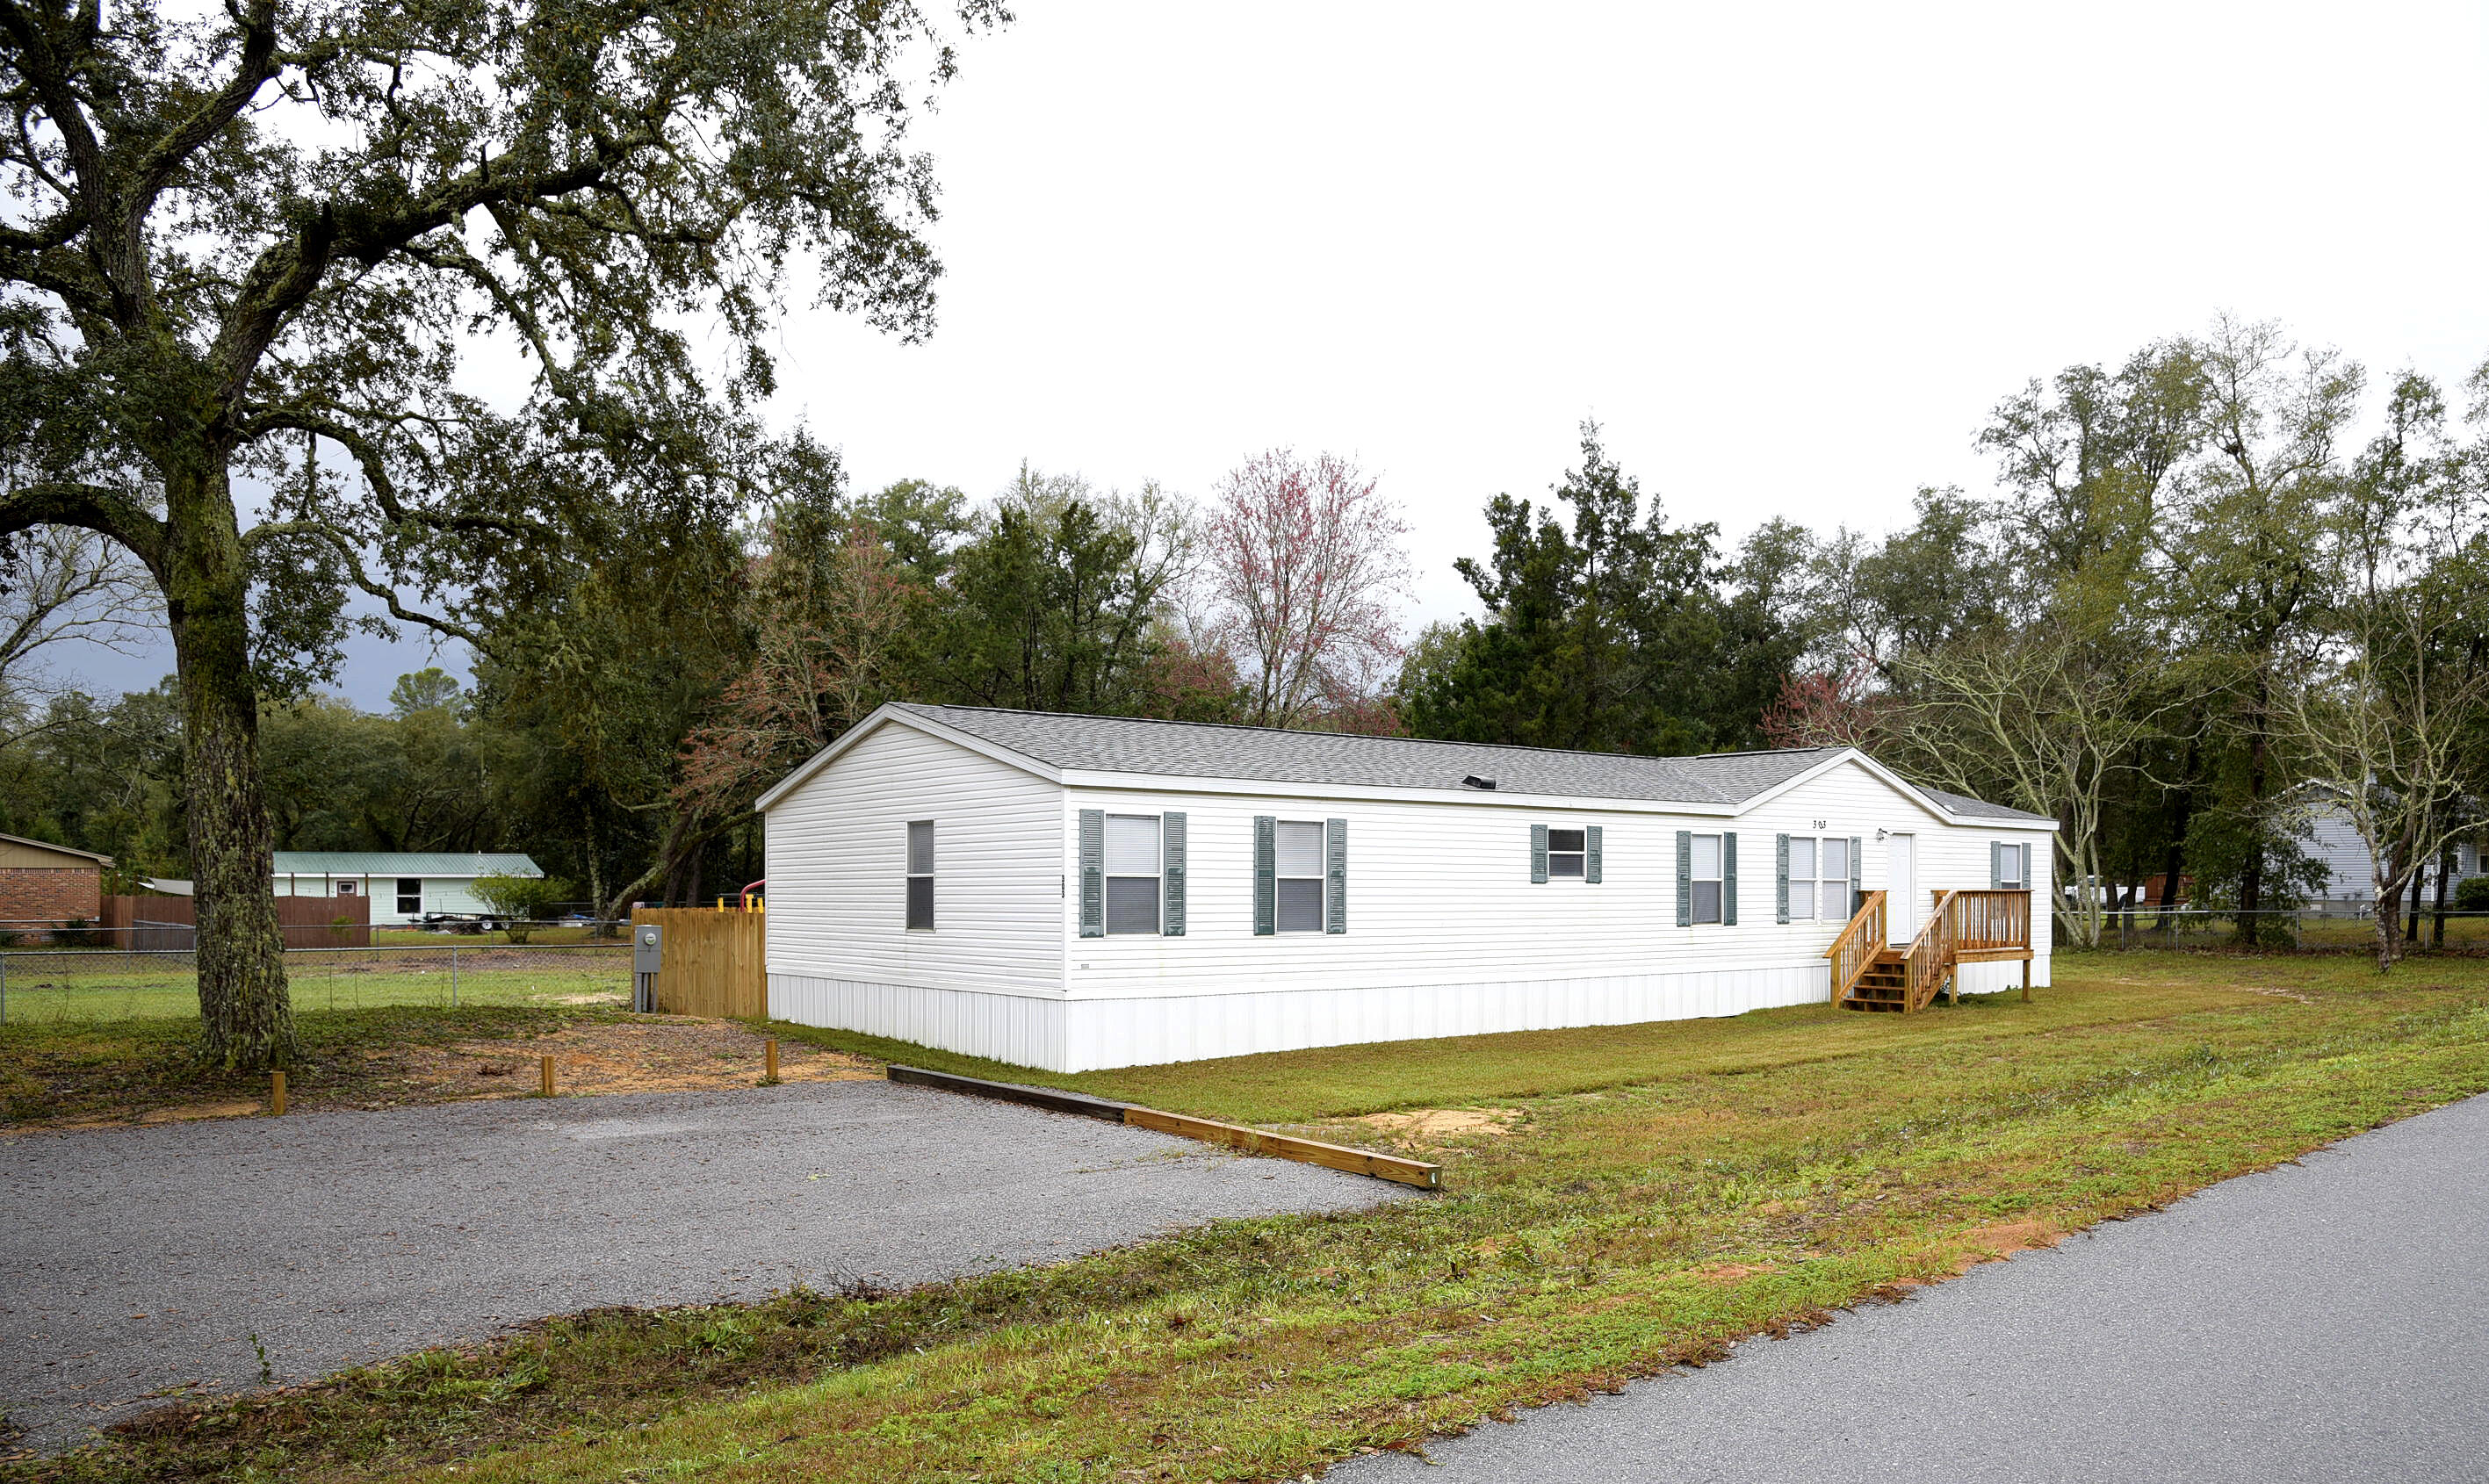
pixel 246 1020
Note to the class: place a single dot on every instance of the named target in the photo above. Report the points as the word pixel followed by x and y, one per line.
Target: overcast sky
pixel 1788 255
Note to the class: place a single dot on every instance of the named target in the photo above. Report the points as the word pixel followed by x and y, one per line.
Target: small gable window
pixel 920 875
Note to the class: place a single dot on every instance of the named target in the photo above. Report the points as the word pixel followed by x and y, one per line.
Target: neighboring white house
pixel 403 886
pixel 2326 834
pixel 1073 891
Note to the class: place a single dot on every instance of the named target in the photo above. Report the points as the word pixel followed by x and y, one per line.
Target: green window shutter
pixel 1266 875
pixel 1093 873
pixel 1335 864
pixel 1729 879
pixel 1780 891
pixel 1593 867
pixel 1995 864
pixel 1171 877
pixel 1686 878
pixel 1538 855
pixel 1857 853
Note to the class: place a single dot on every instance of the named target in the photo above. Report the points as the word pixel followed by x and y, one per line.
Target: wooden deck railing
pixel 1991 919
pixel 1928 962
pixel 1858 945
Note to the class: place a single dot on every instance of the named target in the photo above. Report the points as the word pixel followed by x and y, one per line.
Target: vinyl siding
pixel 837 852
pixel 2327 835
pixel 1439 894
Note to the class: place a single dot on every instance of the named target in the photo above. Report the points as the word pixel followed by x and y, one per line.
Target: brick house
pixel 46 885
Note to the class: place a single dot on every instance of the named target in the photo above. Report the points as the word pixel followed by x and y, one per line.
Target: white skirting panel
pixel 1997 977
pixel 1015 1028
pixel 1085 1035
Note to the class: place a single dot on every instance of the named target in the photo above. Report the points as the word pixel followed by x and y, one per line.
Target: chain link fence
pixel 68 984
pixel 2307 929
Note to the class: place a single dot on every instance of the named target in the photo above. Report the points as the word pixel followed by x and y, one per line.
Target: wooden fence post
pixel 770 1051
pixel 276 1094
pixel 545 1071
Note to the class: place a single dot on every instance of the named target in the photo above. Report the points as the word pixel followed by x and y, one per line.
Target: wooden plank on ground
pixel 1052 1099
pixel 1282 1146
pixel 1251 1141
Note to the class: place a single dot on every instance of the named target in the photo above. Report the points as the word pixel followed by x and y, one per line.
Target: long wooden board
pixel 1283 1146
pixel 1236 1137
pixel 1054 1099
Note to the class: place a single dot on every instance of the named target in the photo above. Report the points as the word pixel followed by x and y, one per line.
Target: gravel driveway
pixel 2322 1322
pixel 141 1259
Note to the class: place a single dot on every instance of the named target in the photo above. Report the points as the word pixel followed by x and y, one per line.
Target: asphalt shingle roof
pixel 403 863
pixel 1106 744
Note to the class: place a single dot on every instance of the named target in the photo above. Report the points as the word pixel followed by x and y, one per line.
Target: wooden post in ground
pixel 770 1051
pixel 545 1072
pixel 2026 981
pixel 276 1094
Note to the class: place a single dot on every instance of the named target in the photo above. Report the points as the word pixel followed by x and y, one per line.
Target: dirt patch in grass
pixel 1434 1126
pixel 673 1054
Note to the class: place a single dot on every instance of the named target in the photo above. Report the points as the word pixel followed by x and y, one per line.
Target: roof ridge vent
pixel 1473 781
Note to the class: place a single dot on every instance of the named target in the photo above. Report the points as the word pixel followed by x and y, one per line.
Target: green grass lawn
pixel 1657 1193
pixel 48 988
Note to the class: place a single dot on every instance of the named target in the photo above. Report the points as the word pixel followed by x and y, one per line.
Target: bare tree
pixel 60 585
pixel 2390 724
pixel 1305 564
pixel 2039 719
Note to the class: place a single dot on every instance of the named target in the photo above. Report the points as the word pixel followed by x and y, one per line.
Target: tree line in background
pixel 2194 608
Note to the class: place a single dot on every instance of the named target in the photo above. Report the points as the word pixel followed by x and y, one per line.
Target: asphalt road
pixel 132 1261
pixel 2327 1321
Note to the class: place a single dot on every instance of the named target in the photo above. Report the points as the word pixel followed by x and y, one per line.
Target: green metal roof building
pixel 403 886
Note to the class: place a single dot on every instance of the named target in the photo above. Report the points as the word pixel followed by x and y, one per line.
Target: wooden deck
pixel 1870 974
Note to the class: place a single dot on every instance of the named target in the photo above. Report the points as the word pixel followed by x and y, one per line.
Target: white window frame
pixel 418 893
pixel 1280 877
pixel 1157 879
pixel 1718 881
pixel 1580 856
pixel 1807 888
pixel 907 910
pixel 2019 878
pixel 1813 885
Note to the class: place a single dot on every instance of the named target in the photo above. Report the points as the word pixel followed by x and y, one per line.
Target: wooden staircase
pixel 1884 985
pixel 1870 974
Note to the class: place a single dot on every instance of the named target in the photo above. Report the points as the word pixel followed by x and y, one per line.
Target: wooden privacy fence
pixel 713 963
pixel 146 923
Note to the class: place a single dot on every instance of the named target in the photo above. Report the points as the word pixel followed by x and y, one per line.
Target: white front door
pixel 1902 887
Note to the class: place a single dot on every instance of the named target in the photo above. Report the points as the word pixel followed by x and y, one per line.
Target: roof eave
pixel 886 714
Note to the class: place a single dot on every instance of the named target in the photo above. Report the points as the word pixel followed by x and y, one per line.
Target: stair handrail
pixel 1929 957
pixel 1858 945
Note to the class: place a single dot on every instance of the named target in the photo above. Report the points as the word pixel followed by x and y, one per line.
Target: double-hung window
pixel 1819 878
pixel 409 895
pixel 1132 890
pixel 920 875
pixel 1707 878
pixel 2012 867
pixel 1297 853
pixel 1567 852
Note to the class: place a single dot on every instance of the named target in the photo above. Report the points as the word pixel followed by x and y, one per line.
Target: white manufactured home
pixel 402 886
pixel 1077 891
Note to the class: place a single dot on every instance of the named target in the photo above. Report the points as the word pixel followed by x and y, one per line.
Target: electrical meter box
pixel 648 948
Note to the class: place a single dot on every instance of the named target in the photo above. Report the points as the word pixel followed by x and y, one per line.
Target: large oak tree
pixel 260 263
